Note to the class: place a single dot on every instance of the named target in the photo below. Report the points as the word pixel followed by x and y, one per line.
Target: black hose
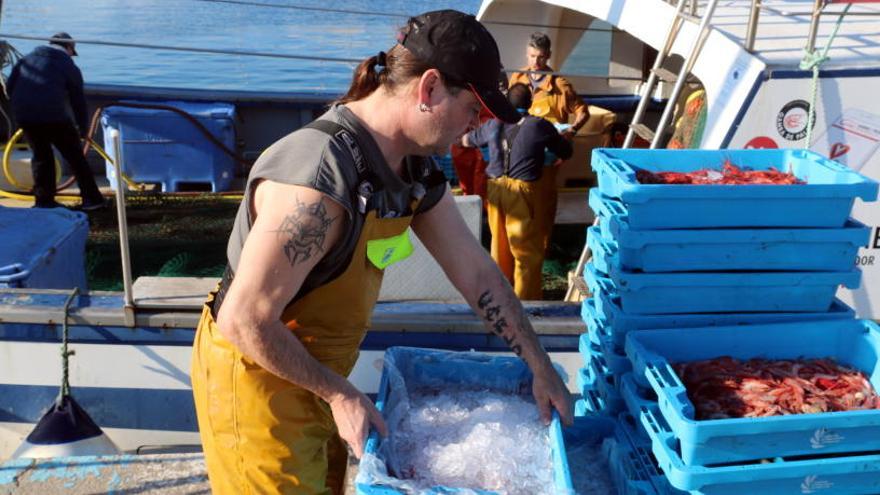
pixel 93 126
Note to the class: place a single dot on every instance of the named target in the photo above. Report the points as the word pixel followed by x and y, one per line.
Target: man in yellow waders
pixel 517 208
pixel 553 99
pixel 326 209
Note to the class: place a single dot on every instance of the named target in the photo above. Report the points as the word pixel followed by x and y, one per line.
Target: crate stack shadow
pixel 683 273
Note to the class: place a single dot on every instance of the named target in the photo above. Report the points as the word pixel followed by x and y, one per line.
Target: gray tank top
pixel 314 159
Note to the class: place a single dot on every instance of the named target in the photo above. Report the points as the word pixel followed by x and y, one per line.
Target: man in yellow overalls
pixel 326 209
pixel 516 207
pixel 553 99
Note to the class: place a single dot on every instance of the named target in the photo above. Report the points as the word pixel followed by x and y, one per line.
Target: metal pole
pixel 752 31
pixel 682 75
pixel 818 6
pixel 652 77
pixel 123 229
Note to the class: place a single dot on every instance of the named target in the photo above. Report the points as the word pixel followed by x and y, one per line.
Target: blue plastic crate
pixel 599 250
pixel 853 343
pixel 598 341
pixel 835 475
pixel 599 378
pixel 413 368
pixel 589 403
pixel 605 210
pixel 727 249
pixel 162 147
pixel 825 201
pixel 618 323
pixel 638 462
pixel 637 399
pixel 585 430
pixel 48 251
pixel 587 347
pixel 734 292
pixel 626 472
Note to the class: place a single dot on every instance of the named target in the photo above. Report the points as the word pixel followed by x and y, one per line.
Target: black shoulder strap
pixel 367 183
pixel 507 140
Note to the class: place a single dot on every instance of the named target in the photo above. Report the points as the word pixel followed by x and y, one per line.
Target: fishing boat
pixel 130 371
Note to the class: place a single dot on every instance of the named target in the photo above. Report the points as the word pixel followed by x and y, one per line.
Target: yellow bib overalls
pixel 263 434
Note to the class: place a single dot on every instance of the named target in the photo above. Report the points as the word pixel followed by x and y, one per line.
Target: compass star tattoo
pixel 304 231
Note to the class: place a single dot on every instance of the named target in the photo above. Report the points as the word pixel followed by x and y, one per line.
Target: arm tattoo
pixel 492 314
pixel 304 231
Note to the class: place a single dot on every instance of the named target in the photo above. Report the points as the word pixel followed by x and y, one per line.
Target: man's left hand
pixel 551 393
pixel 568 133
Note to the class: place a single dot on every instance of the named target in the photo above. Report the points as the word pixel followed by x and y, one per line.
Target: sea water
pixel 277 27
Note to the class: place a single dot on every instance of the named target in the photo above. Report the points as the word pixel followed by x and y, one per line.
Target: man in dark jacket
pixel 517 195
pixel 46 90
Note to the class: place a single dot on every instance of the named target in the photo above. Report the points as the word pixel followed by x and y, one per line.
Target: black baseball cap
pixel 65 40
pixel 462 49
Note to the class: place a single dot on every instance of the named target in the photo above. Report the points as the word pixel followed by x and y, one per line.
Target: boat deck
pixel 165 474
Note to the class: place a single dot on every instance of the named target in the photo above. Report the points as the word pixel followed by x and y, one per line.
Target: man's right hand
pixel 353 413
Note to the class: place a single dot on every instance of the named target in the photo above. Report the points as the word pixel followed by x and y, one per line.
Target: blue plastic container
pixel 589 403
pixel 852 343
pixel 837 475
pixel 408 368
pixel 599 343
pixel 162 147
pixel 626 460
pixel 727 249
pixel 734 292
pixel 638 462
pixel 618 323
pixel 605 210
pixel 637 399
pixel 825 201
pixel 44 248
pixel 586 430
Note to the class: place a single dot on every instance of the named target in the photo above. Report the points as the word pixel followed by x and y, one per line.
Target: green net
pixel 168 235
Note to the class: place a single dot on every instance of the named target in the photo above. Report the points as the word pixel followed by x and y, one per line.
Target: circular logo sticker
pixel 791 121
pixel 761 142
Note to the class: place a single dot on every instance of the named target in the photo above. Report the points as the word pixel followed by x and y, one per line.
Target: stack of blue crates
pixel 736 260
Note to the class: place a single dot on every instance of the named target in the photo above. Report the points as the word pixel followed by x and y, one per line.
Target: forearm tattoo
pixel 492 314
pixel 303 232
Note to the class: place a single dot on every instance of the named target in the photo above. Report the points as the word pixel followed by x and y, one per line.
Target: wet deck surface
pixel 171 474
pixel 163 474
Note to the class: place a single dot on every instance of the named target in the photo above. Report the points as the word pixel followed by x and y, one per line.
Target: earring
pixel 423 107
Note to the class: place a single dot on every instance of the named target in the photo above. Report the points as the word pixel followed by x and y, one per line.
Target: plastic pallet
pixel 715 292
pixel 824 201
pixel 852 343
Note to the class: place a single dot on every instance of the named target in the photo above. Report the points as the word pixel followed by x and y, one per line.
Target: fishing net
pixel 168 235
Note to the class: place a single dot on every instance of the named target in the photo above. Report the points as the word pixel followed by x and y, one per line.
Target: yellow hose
pixel 132 185
pixel 7 152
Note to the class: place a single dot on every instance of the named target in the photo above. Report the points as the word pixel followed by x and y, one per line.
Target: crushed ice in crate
pixel 589 468
pixel 478 440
